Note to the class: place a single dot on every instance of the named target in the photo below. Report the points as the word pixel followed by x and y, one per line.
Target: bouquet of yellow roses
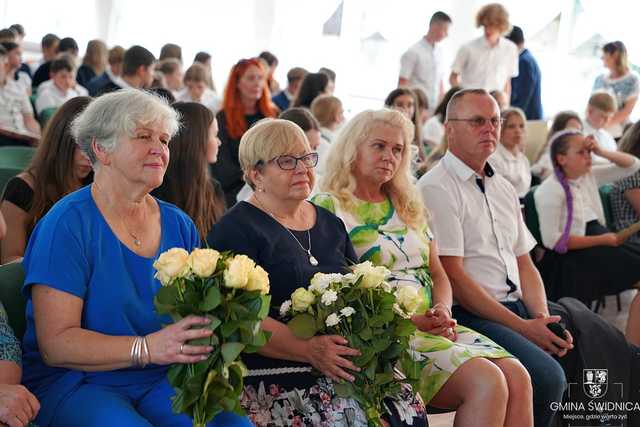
pixel 374 317
pixel 232 292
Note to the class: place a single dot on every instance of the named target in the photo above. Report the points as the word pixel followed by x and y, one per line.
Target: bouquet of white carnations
pixel 232 292
pixel 374 317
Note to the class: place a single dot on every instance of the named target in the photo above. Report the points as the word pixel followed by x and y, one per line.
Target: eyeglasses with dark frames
pixel 287 162
pixel 478 122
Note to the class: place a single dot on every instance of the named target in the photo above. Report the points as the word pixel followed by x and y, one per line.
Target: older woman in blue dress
pixel 95 351
pixel 369 186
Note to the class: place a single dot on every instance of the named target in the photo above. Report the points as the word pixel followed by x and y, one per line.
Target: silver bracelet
pixel 135 351
pixel 146 356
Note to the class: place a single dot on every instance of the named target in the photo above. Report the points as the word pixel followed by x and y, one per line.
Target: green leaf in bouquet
pixel 377 320
pixel 353 294
pixel 252 304
pixel 230 351
pixel 404 328
pixel 392 352
pixel 380 344
pixel 383 378
pixel 235 378
pixel 228 403
pixel 210 377
pixel 303 326
pixel 211 299
pixel 177 401
pixel 365 357
pixel 240 311
pixel 246 326
pixel 358 323
pixel 167 295
pixel 176 374
pixel 229 327
pixel 175 316
pixel 264 307
pixel 366 334
pixel 192 297
pixel 370 370
pixel 344 389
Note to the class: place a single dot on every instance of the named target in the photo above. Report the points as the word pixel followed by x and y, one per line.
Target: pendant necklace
pixel 312 260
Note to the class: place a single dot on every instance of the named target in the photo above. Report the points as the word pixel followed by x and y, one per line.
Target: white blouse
pixel 551 202
pixel 514 168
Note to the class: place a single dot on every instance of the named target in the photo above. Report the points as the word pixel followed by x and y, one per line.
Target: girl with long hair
pixel 187 182
pixel 584 259
pixel 246 100
pixel 94 63
pixel 57 169
pixel 313 85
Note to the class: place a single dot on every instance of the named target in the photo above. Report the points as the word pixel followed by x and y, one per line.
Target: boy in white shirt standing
pixel 60 87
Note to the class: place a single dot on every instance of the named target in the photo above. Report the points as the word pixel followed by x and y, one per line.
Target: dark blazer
pixel 526 87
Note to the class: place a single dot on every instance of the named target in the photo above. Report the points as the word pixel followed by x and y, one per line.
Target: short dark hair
pixel 18 29
pixel 329 73
pixel 516 35
pixel 439 16
pixel 269 57
pixel 9 46
pixel 202 57
pixel 136 57
pixel 295 74
pixel 49 40
pixel 169 65
pixel 3 51
pixel 61 64
pixel 68 44
pixel 171 50
pixel 7 34
pixel 163 93
pixel 302 117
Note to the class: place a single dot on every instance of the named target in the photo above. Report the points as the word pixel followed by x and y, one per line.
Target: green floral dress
pixel 380 236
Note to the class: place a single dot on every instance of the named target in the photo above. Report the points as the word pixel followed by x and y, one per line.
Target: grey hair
pixel 457 98
pixel 115 115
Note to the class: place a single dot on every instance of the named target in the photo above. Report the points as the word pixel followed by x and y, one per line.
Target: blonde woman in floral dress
pixel 368 185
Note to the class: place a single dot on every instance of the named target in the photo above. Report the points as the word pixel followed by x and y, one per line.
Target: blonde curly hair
pixel 338 178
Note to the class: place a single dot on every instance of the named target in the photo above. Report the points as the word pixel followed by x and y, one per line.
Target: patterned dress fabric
pixel 379 235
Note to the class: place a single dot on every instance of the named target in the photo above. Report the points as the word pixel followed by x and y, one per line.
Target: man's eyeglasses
pixel 288 162
pixel 478 122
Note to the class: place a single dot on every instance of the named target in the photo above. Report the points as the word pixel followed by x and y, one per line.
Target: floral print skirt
pixel 319 406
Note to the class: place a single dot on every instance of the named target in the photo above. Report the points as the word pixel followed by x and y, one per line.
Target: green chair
pixel 16 157
pixel 531 215
pixel 45 115
pixel 11 280
pixel 605 197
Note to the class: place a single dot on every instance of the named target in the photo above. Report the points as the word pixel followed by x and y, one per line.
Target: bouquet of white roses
pixel 375 318
pixel 232 292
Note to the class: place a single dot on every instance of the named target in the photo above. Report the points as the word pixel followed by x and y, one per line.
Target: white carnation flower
pixel 284 308
pixel 321 281
pixel 329 297
pixel 347 311
pixel 332 320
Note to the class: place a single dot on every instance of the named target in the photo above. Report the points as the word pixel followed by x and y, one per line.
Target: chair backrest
pixel 11 280
pixel 605 198
pixel 531 215
pixel 535 137
pixel 16 157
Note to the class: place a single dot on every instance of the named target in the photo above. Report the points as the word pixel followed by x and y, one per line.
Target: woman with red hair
pixel 246 100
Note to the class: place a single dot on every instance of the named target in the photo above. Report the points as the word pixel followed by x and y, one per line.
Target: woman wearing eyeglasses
pixel 292 239
pixel 246 100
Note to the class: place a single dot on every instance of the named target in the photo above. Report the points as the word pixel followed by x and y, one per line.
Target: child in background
pixel 600 109
pixel 60 88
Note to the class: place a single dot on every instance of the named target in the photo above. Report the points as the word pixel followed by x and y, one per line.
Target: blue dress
pixel 281 392
pixel 72 249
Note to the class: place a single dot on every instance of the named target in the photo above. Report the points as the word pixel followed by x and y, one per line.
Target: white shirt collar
pixel 461 169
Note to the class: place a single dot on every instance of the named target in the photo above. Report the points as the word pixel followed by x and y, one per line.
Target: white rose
pixel 237 273
pixel 329 297
pixel 372 276
pixel 258 280
pixel 171 265
pixel 332 320
pixel 301 299
pixel 347 311
pixel 409 298
pixel 203 261
pixel 284 308
pixel 321 281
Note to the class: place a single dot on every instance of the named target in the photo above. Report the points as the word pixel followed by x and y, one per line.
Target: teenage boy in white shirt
pixel 60 87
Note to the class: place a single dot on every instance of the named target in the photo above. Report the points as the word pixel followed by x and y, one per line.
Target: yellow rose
pixel 301 299
pixel 258 280
pixel 171 265
pixel 203 261
pixel 372 276
pixel 409 298
pixel 237 273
